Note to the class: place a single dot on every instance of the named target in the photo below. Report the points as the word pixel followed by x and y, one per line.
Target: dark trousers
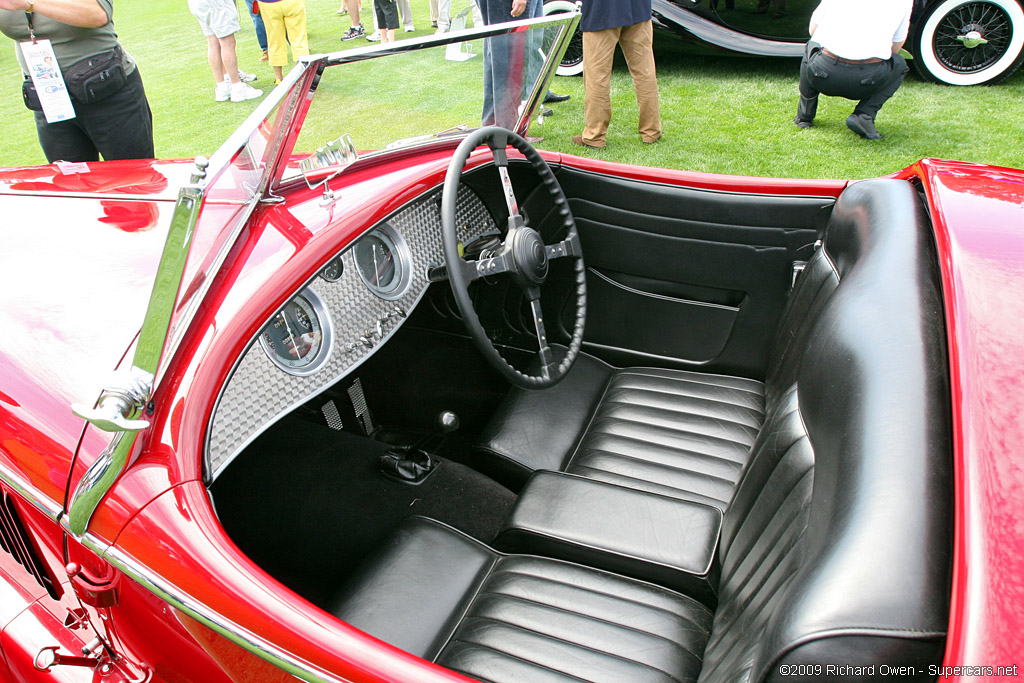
pixel 118 127
pixel 870 84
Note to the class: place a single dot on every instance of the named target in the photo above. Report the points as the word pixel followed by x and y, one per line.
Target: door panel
pixel 685 277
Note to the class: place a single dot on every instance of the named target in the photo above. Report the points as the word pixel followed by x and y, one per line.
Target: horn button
pixel 530 256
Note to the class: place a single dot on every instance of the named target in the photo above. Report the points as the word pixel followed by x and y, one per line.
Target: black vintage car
pixel 956 42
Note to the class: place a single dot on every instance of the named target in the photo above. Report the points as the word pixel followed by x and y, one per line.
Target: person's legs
pixel 277 45
pixel 637 42
pixel 228 58
pixel 295 26
pixel 64 140
pixel 890 77
pixel 598 55
pixel 807 107
pixel 213 57
pixel 257 25
pixel 406 11
pixel 433 12
pixel 444 15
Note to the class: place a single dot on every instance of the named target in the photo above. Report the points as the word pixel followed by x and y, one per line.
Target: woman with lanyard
pixel 85 90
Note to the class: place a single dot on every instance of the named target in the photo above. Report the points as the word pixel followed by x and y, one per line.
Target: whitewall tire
pixel 572 60
pixel 970 42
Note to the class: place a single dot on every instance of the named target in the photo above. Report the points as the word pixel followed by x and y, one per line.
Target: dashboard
pixel 338 319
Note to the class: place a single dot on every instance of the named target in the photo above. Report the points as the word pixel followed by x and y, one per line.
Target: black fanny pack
pixel 29 94
pixel 98 77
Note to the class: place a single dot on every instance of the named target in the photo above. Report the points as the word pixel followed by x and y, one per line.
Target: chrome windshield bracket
pixel 119 406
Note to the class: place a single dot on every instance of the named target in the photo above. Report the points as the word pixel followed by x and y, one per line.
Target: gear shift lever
pixel 412 464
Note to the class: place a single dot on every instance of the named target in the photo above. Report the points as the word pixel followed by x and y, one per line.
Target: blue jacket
pixel 601 14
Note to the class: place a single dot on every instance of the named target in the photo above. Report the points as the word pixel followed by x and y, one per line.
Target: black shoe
pixel 863 126
pixel 801 123
pixel 544 111
pixel 554 97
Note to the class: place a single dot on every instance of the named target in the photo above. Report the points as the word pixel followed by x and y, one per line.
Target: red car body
pixel 172 594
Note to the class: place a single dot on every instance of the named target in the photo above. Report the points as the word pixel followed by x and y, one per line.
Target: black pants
pixel 870 84
pixel 118 127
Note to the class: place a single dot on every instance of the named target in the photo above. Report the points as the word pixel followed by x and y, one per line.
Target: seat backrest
pixel 837 546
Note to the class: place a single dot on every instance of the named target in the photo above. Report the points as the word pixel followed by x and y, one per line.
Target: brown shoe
pixel 578 140
pixel 264 57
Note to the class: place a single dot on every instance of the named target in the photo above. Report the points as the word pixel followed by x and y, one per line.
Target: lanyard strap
pixel 29 15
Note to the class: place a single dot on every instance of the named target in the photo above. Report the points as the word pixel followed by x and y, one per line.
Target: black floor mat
pixel 307 503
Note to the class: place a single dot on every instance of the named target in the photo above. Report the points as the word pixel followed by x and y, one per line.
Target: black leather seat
pixel 446 597
pixel 835 549
pixel 677 433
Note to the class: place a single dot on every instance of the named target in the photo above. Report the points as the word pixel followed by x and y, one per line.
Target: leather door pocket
pixel 666 541
pixel 625 317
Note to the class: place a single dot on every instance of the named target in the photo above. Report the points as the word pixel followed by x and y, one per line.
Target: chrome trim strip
pixel 31 494
pixel 88 195
pixel 204 615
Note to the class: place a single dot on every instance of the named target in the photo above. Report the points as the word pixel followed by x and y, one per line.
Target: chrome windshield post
pixel 120 406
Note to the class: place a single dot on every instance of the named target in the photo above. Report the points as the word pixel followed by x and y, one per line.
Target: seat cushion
pixel 682 434
pixel 444 596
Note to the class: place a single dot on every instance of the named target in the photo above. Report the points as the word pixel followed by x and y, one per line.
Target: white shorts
pixel 217 17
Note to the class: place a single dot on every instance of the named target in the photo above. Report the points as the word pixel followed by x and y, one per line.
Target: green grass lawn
pixel 720 115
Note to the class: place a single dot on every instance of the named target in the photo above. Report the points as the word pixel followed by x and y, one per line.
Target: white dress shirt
pixel 861 29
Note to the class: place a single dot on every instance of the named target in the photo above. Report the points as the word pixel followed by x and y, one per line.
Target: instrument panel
pixel 337 320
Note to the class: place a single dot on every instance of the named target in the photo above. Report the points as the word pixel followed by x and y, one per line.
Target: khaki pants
pixel 598 54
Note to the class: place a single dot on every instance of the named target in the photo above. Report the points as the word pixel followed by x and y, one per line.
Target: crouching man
pixel 852 53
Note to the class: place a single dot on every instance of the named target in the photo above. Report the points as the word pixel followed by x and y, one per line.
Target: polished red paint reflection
pixel 979 223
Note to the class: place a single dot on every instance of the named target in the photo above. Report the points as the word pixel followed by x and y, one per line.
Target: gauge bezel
pixel 403 263
pixel 323 318
pixel 341 269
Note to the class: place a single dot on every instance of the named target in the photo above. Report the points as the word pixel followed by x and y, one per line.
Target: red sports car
pixel 354 400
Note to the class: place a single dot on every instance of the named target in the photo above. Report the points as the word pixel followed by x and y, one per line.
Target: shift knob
pixel 447 422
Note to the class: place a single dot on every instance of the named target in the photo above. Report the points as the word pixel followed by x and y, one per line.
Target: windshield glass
pixel 454 83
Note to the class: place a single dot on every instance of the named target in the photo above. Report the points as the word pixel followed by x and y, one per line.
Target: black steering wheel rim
pixel 519 256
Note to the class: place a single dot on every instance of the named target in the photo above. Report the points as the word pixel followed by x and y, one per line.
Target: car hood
pixel 76 270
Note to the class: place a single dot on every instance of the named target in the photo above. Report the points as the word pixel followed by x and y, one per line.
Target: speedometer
pixel 383 262
pixel 297 338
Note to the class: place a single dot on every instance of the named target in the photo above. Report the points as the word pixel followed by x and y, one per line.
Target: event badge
pixel 48 80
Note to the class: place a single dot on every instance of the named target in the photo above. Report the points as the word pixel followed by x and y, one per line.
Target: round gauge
pixel 383 262
pixel 298 337
pixel 333 270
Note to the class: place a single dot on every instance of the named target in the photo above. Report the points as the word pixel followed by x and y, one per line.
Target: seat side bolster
pixel 414 590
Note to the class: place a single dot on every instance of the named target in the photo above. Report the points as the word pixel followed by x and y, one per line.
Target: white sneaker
pixel 410 29
pixel 440 30
pixel 374 37
pixel 244 77
pixel 241 92
pixel 222 92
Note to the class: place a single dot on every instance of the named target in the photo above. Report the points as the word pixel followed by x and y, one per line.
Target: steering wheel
pixel 523 255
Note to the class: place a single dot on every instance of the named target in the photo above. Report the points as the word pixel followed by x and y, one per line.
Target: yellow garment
pixel 287 17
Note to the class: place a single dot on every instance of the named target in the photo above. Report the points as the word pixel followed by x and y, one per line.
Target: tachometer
pixel 297 339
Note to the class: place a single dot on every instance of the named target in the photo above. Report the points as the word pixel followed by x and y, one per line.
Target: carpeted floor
pixel 307 503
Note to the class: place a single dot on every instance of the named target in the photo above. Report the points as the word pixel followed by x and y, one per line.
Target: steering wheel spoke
pixel 486 267
pixel 567 248
pixel 546 357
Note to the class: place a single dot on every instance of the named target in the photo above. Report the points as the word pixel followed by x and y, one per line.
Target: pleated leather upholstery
pixel 681 434
pixel 444 596
pixel 536 619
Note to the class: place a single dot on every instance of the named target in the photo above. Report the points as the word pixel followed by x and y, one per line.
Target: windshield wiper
pixel 447 132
